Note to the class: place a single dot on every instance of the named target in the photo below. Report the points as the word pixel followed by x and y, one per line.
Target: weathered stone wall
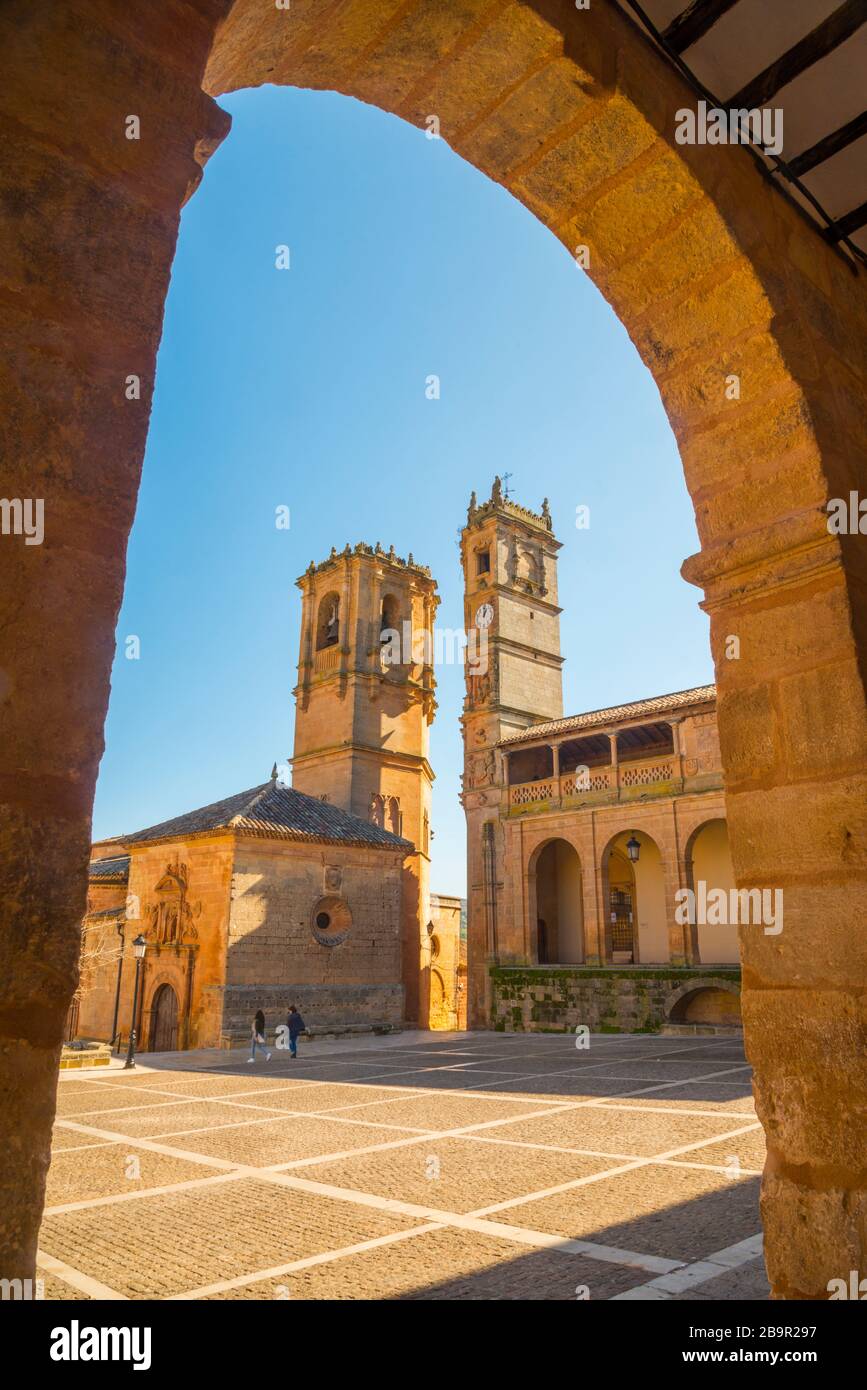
pixel 345 1007
pixel 557 999
pixel 276 886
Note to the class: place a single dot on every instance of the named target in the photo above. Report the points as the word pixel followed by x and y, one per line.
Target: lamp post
pixel 633 848
pixel 120 932
pixel 139 947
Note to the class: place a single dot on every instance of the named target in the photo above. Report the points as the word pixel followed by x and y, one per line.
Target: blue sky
pixel 306 388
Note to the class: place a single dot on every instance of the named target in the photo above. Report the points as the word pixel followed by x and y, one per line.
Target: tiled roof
pixel 113 870
pixel 277 812
pixel 660 704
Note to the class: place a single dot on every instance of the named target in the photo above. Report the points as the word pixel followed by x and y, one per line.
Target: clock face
pixel 484 615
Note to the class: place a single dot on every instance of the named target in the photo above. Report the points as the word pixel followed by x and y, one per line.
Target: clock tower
pixel 513 679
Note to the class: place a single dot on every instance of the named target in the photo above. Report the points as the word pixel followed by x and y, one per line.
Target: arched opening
pixel 390 615
pixel 636 929
pixel 711 878
pixel 163 1036
pixel 328 622
pixel 558 903
pixel 713 277
pixel 709 1006
pixel 441 1012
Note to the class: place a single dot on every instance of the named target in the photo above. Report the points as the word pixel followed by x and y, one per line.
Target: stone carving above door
pixel 171 917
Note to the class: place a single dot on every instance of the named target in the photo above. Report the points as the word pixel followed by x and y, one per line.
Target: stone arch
pixel 163 1019
pixel 440 1006
pixel 390 613
pixel 710 863
pixel 643 885
pixel 712 275
pixel 555 902
pixel 680 1003
pixel 328 621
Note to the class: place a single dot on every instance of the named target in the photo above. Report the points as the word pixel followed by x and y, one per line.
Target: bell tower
pixel 364 706
pixel 513 679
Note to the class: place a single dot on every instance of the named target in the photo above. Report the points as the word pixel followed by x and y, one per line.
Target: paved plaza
pixel 416 1166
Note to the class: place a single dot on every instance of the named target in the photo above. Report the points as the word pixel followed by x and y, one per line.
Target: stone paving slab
pixel 747 1282
pixel 170 1117
pixel 681 1213
pixel 670 1069
pixel 643 1133
pixel 569 1088
pixel 57 1289
pixel 113 1169
pixel 118 1098
pixel 449 1111
pixel 750 1150
pixel 447 1266
pixel 66 1139
pixel 328 1096
pixel 364 1121
pixel 706 1095
pixel 176 1088
pixel 455 1174
pixel 287 1140
pixel 181 1240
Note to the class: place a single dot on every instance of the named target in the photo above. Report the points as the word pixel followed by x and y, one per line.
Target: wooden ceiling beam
pixel 694 23
pixel 839 26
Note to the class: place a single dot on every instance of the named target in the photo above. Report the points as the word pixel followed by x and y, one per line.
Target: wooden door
pixel 164 1020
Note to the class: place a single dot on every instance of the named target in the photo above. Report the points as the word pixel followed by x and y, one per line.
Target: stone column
pixel 594 931
pixel 674 725
pixel 615 765
pixel 82 317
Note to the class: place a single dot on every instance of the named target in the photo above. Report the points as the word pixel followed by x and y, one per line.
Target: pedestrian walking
pixel 296 1025
pixel 257 1037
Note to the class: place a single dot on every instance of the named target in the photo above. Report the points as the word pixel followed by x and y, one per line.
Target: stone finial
pixel 473 507
pixel 409 559
pixel 497 492
pixel 333 552
pixel 274 773
pixel 546 513
pixel 391 555
pixel 377 549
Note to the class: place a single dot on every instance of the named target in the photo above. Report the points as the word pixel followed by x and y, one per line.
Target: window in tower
pixel 390 618
pixel 328 622
pixel 483 562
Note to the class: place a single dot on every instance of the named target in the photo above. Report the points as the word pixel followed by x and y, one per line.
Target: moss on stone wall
pixel 556 999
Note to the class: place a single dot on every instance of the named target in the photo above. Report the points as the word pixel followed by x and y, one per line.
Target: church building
pixel 316 894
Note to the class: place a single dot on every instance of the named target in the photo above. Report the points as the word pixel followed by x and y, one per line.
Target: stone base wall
pixel 321 1006
pixel 557 999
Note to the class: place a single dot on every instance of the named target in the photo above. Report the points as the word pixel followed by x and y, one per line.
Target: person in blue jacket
pixel 295 1024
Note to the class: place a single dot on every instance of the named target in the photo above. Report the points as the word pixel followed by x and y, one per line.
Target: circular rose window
pixel 331 920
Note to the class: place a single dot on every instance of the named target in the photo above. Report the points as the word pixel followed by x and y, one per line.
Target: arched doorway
pixel 164 1021
pixel 441 1015
pixel 557 904
pixel 709 871
pixel 636 929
